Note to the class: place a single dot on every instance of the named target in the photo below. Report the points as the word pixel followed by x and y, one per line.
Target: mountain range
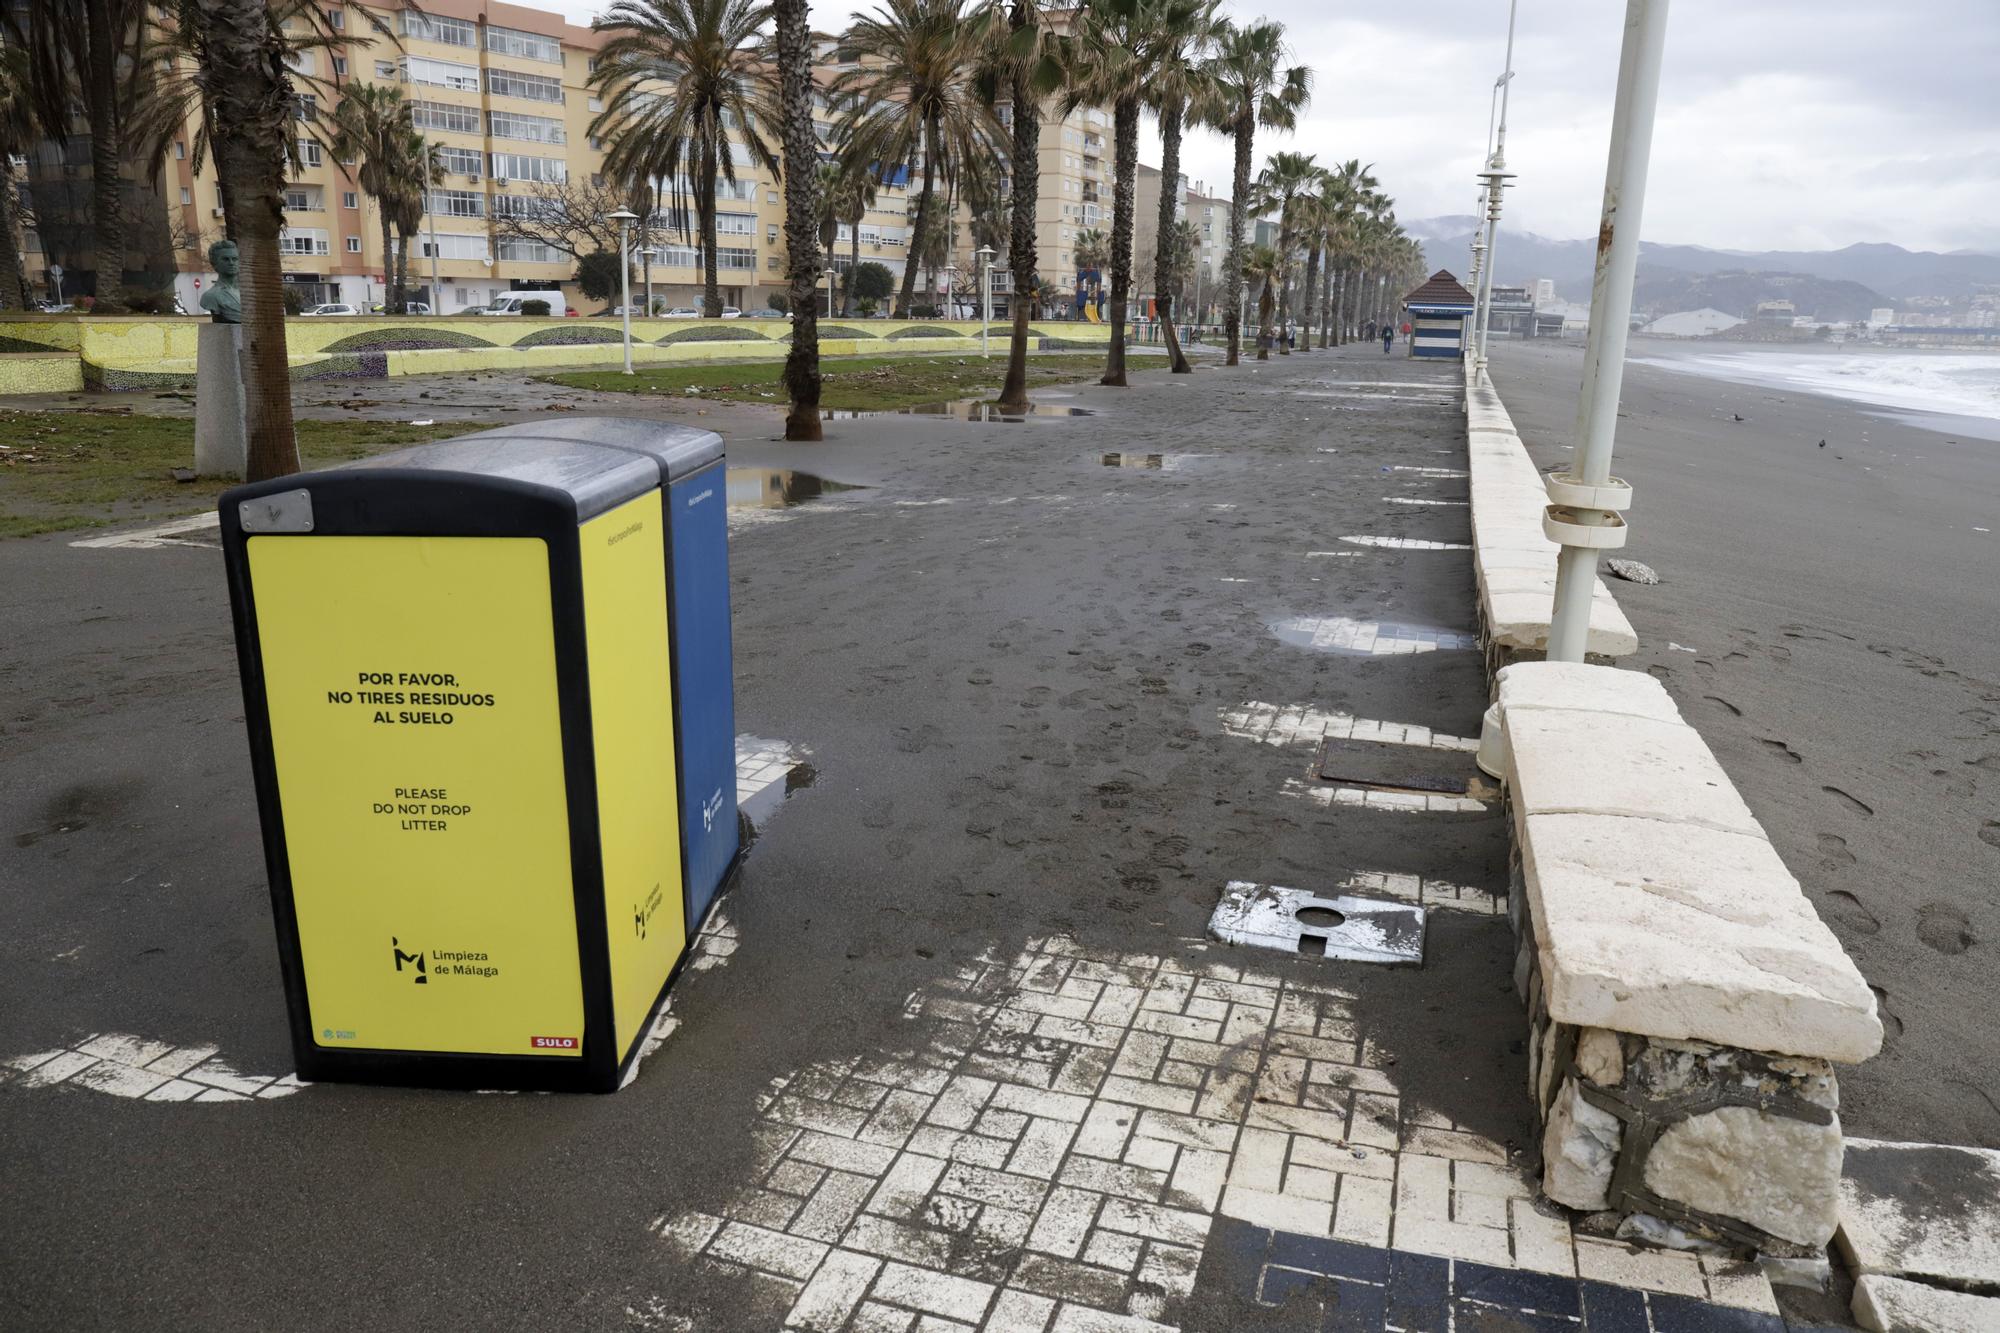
pixel 1890 270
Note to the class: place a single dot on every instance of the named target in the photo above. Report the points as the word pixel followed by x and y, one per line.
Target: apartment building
pixel 503 93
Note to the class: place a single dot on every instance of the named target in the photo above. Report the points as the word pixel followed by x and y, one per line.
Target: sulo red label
pixel 552 1043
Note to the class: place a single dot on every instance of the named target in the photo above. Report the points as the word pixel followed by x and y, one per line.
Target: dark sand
pixel 1845 617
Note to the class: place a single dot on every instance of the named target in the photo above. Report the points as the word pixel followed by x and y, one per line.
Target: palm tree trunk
pixel 704 206
pixel 1170 175
pixel 1306 297
pixel 1265 305
pixel 1026 166
pixel 1283 309
pixel 920 226
pixel 13 291
pixel 107 204
pixel 795 92
pixel 402 306
pixel 388 264
pixel 1125 169
pixel 853 269
pixel 1232 311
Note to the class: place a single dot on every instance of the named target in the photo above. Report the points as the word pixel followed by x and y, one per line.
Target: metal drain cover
pixel 1393 767
pixel 1359 930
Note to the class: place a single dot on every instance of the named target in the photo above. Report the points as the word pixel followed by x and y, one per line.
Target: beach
pixel 1826 617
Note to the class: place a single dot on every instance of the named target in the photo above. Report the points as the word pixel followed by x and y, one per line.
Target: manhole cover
pixel 1393 767
pixel 1358 930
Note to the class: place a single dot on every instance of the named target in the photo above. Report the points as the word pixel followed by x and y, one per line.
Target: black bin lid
pixel 679 450
pixel 596 477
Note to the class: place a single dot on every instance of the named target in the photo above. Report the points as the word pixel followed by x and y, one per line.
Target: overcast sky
pixel 1784 124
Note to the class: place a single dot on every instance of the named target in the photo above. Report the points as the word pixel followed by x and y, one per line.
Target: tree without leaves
pixel 569 216
pixel 674 78
pixel 914 99
pixel 1252 90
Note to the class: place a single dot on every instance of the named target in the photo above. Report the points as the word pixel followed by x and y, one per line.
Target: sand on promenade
pixel 1842 605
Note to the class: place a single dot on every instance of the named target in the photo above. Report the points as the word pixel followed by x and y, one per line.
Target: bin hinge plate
pixel 282 511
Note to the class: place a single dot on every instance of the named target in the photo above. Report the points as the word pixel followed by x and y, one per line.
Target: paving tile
pixel 1517 1290
pixel 1630 1266
pixel 766 1250
pixel 1739 1283
pixel 1356 1307
pixel 1419 1293
pixel 1131 1182
pixel 1020 1312
pixel 1064 1221
pixel 1292 1290
pixel 1608 1308
pixel 1066 1279
pixel 1681 1314
pixel 1282 1212
pixel 834 1292
pixel 1363 1213
pixel 1474 1315
pixel 936 1293
pixel 1318 1254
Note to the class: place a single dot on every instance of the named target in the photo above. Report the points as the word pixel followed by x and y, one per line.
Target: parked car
pixel 510 303
pixel 731 312
pixel 331 308
pixel 767 314
pixel 683 312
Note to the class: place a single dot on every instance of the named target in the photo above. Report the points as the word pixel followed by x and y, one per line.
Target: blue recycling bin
pixel 692 468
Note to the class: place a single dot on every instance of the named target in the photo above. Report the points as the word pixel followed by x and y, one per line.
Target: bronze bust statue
pixel 223 302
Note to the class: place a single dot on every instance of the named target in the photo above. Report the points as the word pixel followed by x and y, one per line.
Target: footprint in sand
pixel 1852 803
pixel 1833 851
pixel 1892 1026
pixel 1989 833
pixel 1849 911
pixel 1782 750
pixel 1734 711
pixel 1944 928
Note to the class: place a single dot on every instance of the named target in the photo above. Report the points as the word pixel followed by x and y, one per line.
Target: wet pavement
pixel 1036 718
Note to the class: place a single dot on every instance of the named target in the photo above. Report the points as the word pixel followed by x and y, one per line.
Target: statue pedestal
pixel 221 444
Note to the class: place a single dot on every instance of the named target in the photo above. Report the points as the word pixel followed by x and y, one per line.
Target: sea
pixel 1959 388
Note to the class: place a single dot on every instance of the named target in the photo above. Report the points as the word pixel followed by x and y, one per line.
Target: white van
pixel 511 303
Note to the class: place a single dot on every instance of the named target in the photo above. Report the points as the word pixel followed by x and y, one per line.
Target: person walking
pixel 1388 338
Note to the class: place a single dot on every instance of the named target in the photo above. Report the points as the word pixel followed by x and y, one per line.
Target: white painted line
pixel 1376 638
pixel 1302 724
pixel 171 533
pixel 1428 471
pixel 1414 500
pixel 1406 543
pixel 1324 794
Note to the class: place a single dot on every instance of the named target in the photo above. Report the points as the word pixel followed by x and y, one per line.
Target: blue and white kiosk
pixel 1439 312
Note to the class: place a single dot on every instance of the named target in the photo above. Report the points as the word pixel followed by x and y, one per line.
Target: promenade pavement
pixel 1019 700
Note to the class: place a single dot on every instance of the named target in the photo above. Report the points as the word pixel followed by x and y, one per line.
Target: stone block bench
pixel 1514 561
pixel 1687 1005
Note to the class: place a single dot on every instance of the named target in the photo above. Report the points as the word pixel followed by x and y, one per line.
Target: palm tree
pixel 18 130
pixel 1023 61
pixel 1252 90
pixel 674 79
pixel 1263 265
pixel 1110 51
pixel 1341 197
pixel 915 99
pixel 1092 246
pixel 1180 78
pixel 1286 179
pixel 372 126
pixel 794 49
pixel 421 171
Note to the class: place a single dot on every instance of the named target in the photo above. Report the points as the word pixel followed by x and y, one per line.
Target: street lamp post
pixel 1586 515
pixel 647 254
pixel 985 255
pixel 950 302
pixel 1496 177
pixel 625 217
pixel 831 274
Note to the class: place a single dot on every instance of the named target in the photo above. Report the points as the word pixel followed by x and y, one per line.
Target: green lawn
pixel 61 470
pixel 850 383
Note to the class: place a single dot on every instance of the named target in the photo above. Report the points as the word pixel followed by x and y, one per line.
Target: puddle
pixel 776 488
pixel 1368 638
pixel 767 772
pixel 977 410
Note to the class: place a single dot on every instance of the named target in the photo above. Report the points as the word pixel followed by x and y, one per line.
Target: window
pixel 309 153
pixel 524 206
pixel 430 28
pixel 336 19
pixel 462 161
pixel 456 203
pixel 441 74
pixel 339 66
pixel 771 235
pixel 772 263
pixel 735 224
pixel 450 245
pixel 528 45
pixel 187 195
pixel 180 149
pixel 539 129
pixel 354 245
pixel 349 199
pixel 303 241
pixel 520 167
pixel 530 252
pixel 299 199
pixel 444 116
pixel 597 104
pixel 305 107
pixel 385 69
pixel 534 87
